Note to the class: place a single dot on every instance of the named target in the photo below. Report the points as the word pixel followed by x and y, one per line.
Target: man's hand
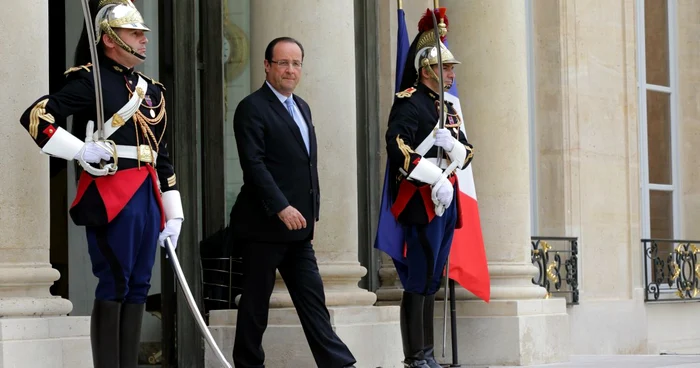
pixel 94 152
pixel 442 192
pixel 172 230
pixel 444 139
pixel 292 218
pixel 445 193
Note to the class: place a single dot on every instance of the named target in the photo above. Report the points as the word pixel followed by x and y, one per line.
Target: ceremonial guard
pixel 422 160
pixel 127 195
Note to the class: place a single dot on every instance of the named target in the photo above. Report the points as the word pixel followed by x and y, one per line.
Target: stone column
pixel 489 37
pixel 25 272
pixel 326 30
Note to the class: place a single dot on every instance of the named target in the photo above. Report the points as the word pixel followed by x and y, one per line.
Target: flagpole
pixel 399 4
pixel 449 290
pixel 453 324
pixel 441 124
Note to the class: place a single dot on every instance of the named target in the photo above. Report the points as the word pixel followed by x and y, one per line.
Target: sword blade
pixel 95 69
pixel 441 81
pixel 192 304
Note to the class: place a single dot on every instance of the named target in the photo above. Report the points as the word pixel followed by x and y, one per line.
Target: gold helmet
pixel 426 54
pixel 113 14
pixel 427 45
pixel 423 52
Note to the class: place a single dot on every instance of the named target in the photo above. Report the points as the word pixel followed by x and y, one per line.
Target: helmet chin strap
pixel 115 37
pixel 129 49
pixel 434 77
pixel 133 52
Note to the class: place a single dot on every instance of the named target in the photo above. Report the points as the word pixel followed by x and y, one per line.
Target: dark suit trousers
pixel 297 265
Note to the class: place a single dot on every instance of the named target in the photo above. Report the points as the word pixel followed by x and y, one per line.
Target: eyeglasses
pixel 286 63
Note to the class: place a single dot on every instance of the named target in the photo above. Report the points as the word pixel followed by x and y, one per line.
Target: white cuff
pixel 458 153
pixel 63 144
pixel 426 171
pixel 172 205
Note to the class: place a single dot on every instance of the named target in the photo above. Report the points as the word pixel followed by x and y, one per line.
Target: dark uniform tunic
pixel 122 213
pixel 428 237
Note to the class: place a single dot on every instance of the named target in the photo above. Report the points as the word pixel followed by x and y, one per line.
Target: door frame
pixel 368 137
pixel 182 343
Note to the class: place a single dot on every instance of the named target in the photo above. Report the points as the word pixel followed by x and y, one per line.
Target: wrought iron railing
pixel 558 266
pixel 221 283
pixel 671 270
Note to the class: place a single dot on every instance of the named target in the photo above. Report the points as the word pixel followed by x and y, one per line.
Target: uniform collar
pixel 432 94
pixel 115 66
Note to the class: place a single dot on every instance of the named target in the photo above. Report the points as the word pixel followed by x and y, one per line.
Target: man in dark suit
pixel 274 215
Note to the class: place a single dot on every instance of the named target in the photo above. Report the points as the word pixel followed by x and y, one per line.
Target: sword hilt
pixel 107 145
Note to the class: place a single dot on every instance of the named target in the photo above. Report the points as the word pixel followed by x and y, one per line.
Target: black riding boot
pixel 412 330
pixel 130 334
pixel 104 333
pixel 429 331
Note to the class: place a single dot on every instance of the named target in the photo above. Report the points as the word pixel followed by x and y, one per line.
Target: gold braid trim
pixel 470 154
pixel 143 128
pixel 406 150
pixel 161 112
pixel 39 112
pixel 85 67
pixel 112 2
pixel 162 116
pixel 142 122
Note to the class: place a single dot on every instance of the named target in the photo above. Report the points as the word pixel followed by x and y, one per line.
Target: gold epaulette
pixel 86 67
pixel 152 80
pixel 406 93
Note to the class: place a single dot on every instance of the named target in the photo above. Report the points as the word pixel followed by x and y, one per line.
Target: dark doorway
pixel 58 253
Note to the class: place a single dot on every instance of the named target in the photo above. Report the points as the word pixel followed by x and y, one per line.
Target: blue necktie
pixel 304 130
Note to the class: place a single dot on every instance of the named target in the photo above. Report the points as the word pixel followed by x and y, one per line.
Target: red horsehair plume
pixel 426 21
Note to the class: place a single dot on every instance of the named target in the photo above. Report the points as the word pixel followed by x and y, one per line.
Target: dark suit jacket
pixel 277 170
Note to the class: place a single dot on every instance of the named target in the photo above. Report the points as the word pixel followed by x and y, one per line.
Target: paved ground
pixel 624 361
pixel 610 361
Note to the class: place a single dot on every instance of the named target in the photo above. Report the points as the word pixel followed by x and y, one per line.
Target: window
pixel 658 122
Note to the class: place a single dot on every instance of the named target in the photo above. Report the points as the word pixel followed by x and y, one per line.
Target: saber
pixel 105 169
pixel 95 70
pixel 441 117
pixel 192 304
pixel 440 209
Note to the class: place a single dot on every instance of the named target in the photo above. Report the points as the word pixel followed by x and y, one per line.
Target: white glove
pixel 444 139
pixel 94 152
pixel 445 193
pixel 172 230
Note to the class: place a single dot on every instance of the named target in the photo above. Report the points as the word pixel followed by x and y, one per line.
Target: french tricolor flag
pixel 468 264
